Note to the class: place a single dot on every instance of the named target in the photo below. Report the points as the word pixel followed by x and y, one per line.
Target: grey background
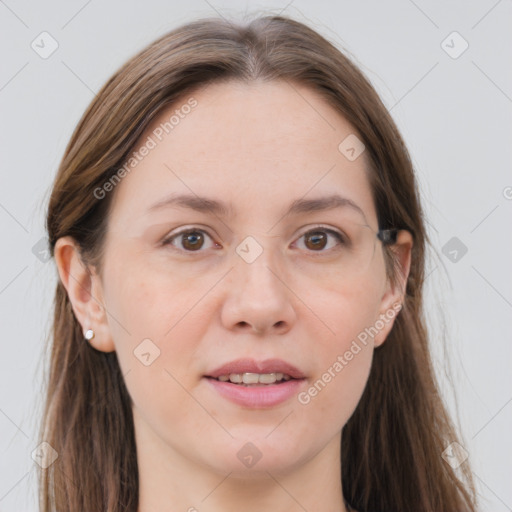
pixel 454 113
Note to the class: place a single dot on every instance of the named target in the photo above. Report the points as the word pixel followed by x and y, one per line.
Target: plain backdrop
pixel 444 71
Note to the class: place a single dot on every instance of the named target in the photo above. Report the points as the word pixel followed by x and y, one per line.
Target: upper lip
pixel 253 366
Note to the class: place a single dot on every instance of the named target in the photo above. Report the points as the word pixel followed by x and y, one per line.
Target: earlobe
pixel 83 288
pixel 393 298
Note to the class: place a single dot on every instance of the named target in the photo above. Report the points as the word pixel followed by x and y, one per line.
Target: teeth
pixel 251 378
pixel 254 378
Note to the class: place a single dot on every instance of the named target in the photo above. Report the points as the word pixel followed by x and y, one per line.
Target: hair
pixel 392 444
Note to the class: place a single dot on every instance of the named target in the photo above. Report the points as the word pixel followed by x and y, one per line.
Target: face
pixel 247 281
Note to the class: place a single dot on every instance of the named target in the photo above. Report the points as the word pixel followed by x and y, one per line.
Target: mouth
pixel 254 379
pixel 256 385
pixel 250 371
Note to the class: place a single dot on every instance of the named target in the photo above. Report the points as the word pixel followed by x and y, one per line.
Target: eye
pixel 191 240
pixel 317 239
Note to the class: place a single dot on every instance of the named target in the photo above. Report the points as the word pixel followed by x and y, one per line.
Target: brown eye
pixel 190 240
pixel 317 240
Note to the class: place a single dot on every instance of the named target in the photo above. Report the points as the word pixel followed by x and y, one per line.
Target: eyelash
pixel 338 235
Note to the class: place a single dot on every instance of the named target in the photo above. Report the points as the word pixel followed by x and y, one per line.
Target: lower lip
pixel 257 397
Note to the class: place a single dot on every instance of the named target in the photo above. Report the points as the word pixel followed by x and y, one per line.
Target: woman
pixel 238 320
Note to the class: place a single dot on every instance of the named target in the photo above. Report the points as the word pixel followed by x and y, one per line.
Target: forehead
pixel 250 145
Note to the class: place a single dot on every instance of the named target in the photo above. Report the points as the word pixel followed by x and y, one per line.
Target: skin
pixel 258 147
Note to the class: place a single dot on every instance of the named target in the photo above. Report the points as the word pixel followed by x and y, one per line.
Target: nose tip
pixel 257 299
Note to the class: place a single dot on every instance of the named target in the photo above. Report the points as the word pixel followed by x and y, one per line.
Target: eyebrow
pixel 205 204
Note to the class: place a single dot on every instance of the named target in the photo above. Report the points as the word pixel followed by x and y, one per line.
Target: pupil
pixel 316 237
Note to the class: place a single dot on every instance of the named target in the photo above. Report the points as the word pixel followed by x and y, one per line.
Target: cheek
pixel 336 389
pixel 157 328
pixel 344 351
pixel 156 323
pixel 149 300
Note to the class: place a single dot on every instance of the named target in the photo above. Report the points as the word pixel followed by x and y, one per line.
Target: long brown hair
pixel 392 444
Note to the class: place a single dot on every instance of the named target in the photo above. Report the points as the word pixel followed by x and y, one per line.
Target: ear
pixel 85 293
pixel 393 297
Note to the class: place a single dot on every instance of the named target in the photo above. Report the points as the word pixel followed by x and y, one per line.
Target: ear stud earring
pixel 89 334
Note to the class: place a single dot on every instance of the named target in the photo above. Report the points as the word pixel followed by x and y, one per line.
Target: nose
pixel 258 298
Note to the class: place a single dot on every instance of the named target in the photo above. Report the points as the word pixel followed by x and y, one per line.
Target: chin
pixel 255 459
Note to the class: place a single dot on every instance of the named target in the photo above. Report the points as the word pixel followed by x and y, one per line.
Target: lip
pixel 253 366
pixel 257 397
